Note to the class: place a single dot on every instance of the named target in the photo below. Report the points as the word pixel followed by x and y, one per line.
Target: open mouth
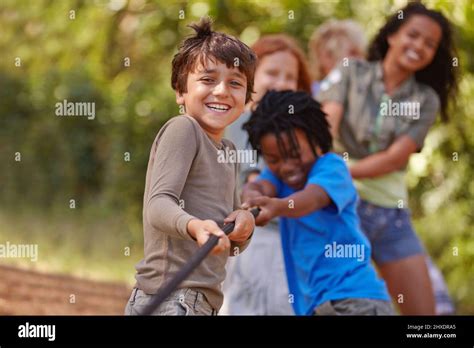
pixel 412 55
pixel 218 107
pixel 294 179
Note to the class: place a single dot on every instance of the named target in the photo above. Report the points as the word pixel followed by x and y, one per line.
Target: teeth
pixel 293 178
pixel 218 107
pixel 413 55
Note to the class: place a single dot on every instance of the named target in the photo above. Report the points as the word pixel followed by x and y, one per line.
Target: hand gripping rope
pixel 189 267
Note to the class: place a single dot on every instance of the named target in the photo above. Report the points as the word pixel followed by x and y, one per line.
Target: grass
pixel 85 244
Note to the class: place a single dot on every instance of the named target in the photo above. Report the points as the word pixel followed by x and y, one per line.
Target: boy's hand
pixel 201 230
pixel 244 225
pixel 269 208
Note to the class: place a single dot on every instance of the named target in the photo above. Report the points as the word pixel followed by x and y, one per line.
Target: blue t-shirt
pixel 326 255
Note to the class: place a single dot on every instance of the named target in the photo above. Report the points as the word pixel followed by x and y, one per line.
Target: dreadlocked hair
pixel 281 113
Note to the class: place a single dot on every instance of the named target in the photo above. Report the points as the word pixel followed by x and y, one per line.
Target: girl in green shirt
pixel 381 111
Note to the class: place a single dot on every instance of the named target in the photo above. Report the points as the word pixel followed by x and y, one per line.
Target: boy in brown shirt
pixel 188 191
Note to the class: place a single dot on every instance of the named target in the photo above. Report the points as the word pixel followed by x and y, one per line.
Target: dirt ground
pixel 25 292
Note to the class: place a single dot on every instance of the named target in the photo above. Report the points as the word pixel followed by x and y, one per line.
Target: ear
pixel 179 98
pixel 318 151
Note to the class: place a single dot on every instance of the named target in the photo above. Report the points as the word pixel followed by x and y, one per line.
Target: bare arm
pixel 300 203
pixel 394 158
pixel 303 202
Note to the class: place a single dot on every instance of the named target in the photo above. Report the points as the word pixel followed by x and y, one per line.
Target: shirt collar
pixel 406 89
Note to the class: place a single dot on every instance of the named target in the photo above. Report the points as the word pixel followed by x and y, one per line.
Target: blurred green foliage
pixel 82 56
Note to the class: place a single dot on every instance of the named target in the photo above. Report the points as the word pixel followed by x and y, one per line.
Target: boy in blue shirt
pixel 327 258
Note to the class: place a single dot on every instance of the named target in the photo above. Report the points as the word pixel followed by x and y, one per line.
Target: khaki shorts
pixel 355 306
pixel 181 302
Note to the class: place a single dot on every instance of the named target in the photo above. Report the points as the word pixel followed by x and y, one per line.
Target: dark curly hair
pixel 440 73
pixel 209 44
pixel 283 112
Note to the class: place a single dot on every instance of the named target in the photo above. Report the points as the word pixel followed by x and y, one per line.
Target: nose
pixel 287 167
pixel 419 44
pixel 221 89
pixel 281 84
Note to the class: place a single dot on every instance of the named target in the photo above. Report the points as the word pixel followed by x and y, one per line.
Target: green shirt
pixel 372 121
pixel 388 190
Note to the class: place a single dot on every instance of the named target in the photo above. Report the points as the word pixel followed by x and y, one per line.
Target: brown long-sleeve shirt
pixel 185 180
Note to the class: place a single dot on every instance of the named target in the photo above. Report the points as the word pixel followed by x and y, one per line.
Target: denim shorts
pixel 181 302
pixel 389 231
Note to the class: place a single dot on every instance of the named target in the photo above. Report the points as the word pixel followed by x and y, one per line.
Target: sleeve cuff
pixel 182 226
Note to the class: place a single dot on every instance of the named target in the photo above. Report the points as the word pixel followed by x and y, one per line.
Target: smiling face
pixel 215 96
pixel 277 71
pixel 293 170
pixel 415 43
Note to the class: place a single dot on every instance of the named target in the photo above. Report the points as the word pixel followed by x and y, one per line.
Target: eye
pixel 271 160
pixel 236 83
pixel 272 72
pixel 206 80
